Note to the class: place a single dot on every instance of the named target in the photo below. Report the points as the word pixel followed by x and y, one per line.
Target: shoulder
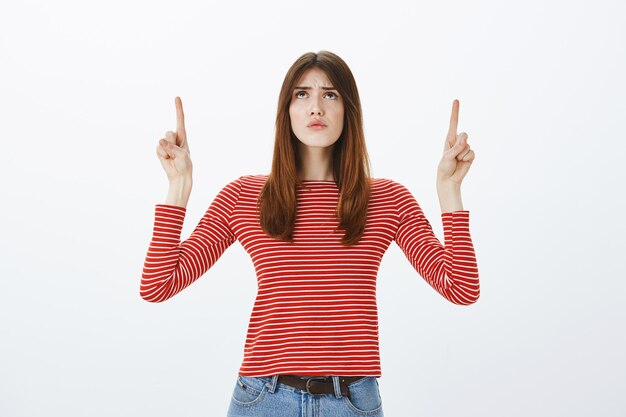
pixel 249 183
pixel 387 185
pixel 253 180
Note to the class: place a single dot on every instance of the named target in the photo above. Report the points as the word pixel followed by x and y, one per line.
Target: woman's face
pixel 316 110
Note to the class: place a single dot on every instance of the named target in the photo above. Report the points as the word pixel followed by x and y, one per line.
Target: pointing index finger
pixel 454 121
pixel 180 116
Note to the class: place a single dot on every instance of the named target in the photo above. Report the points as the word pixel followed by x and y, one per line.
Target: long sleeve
pixel 171 266
pixel 450 269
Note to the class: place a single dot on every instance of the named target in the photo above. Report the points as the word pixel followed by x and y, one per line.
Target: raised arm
pixel 170 266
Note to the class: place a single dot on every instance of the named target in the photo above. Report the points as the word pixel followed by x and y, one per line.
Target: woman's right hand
pixel 173 149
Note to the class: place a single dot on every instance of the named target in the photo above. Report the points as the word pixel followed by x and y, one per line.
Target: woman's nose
pixel 316 107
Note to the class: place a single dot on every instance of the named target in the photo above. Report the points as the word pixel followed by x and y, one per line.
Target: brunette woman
pixel 316 228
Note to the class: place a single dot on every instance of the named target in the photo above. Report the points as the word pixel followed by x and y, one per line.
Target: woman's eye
pixel 300 94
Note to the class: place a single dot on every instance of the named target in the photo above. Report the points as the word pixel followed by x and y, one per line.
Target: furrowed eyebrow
pixel 310 88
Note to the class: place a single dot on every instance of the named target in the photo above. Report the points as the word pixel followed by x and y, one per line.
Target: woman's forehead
pixel 314 77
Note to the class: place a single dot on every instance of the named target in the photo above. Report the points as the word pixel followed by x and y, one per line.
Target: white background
pixel 88 89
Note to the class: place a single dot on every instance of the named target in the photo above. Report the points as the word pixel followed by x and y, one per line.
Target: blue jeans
pixel 266 397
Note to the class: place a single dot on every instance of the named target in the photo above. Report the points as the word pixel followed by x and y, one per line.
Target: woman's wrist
pixel 179 191
pixel 449 196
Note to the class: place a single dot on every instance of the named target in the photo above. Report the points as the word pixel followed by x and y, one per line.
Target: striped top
pixel 315 311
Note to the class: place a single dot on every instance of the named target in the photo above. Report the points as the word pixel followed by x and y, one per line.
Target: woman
pixel 316 229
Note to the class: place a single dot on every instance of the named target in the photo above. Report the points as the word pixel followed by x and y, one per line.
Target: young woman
pixel 316 228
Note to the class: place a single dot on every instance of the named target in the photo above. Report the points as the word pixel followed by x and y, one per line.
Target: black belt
pixel 319 384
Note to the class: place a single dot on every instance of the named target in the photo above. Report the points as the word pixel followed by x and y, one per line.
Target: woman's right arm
pixel 170 266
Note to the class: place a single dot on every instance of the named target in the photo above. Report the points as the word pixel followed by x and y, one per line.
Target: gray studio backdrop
pixel 88 90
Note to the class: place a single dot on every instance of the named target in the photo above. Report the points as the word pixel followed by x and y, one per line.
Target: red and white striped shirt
pixel 315 312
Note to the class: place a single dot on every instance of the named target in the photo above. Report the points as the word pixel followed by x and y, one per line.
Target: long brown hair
pixel 351 166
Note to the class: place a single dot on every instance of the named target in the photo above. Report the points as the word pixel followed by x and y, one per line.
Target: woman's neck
pixel 316 164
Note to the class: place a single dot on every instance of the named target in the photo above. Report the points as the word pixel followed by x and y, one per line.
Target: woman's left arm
pixel 451 268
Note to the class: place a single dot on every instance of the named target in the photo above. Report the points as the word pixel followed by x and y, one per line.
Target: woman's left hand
pixel 457 155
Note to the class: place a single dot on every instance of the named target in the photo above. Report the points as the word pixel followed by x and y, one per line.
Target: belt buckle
pixel 308 384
